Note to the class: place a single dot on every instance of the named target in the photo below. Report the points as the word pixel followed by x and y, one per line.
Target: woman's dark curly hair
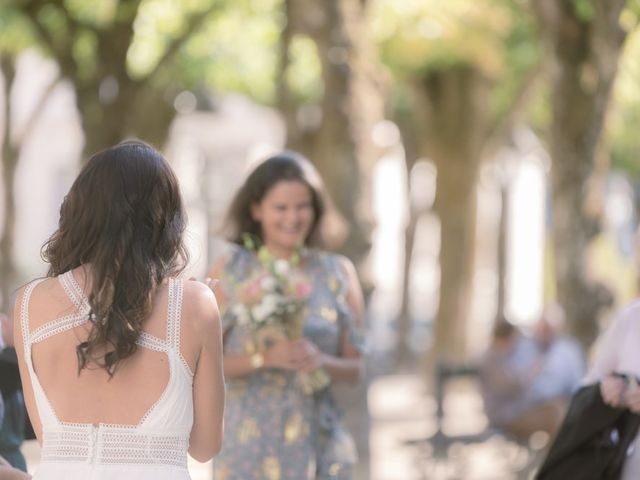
pixel 123 218
pixel 285 166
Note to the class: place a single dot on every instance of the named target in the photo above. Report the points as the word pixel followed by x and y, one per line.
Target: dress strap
pixel 174 311
pixel 24 312
pixel 59 325
pixel 151 342
pixel 75 292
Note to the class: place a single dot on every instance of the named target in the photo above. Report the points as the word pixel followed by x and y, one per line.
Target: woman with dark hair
pixel 291 317
pixel 121 361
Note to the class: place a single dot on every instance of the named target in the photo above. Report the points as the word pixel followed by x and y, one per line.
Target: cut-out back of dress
pixel 156 444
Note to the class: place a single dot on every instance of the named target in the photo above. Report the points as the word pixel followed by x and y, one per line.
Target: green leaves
pixel 15 32
pixel 496 37
pixel 625 112
pixel 416 36
pixel 304 75
pixel 584 9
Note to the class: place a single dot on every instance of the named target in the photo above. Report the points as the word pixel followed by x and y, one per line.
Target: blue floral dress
pixel 273 430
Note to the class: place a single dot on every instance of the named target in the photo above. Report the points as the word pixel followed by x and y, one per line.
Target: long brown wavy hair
pixel 284 166
pixel 123 217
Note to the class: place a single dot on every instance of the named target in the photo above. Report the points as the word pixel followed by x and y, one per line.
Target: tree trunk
pixel 9 164
pixel 127 116
pixel 411 125
pixel 503 234
pixel 112 105
pixel 298 138
pixel 342 147
pixel 456 99
pixel 585 53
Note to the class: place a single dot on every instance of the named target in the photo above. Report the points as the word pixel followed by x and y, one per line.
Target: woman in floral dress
pixel 281 420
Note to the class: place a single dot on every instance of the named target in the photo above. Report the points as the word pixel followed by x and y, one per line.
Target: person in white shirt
pixel 618 352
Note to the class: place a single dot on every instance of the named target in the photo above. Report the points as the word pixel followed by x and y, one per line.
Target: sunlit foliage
pixel 495 36
pixel 625 114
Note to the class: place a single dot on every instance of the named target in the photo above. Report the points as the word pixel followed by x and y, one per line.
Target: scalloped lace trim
pixel 113 445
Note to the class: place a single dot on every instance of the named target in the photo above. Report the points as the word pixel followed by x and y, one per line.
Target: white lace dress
pixel 154 449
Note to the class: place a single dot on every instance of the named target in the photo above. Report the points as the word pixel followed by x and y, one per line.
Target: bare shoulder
pixel 15 322
pixel 199 299
pixel 347 266
pixel 348 269
pixel 41 286
pixel 200 308
pixel 47 293
pixel 19 295
pixel 353 288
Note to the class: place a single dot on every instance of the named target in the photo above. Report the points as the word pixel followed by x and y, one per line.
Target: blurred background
pixel 482 157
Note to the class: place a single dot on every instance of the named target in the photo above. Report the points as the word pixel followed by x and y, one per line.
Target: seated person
pixel 564 362
pixel 527 381
pixel 12 428
pixel 7 472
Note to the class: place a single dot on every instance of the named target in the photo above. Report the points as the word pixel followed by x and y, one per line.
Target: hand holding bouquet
pixel 273 306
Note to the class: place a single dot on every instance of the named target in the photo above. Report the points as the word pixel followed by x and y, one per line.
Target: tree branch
pixel 7 67
pixel 62 53
pixel 114 42
pixel 505 123
pixel 194 23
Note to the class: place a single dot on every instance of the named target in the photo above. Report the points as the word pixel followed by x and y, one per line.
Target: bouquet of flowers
pixel 273 305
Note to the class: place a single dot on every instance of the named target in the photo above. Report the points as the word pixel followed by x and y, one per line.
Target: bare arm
pixel 347 365
pixel 208 382
pixel 25 378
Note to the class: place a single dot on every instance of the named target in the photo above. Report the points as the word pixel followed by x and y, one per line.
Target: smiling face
pixel 286 216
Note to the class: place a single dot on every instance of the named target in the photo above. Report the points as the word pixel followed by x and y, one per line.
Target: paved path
pixel 401 410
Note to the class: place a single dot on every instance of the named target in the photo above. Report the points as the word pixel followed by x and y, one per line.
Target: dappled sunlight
pixel 403 434
pixel 400 411
pixel 390 210
pixel 463 409
pixel 526 241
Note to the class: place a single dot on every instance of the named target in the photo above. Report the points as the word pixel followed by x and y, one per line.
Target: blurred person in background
pixel 121 360
pixel 292 316
pixel 563 362
pixel 527 381
pixel 7 470
pixel 13 426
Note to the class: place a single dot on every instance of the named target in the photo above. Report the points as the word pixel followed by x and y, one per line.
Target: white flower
pixel 268 284
pixel 241 313
pixel 281 267
pixel 266 308
pixel 291 308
